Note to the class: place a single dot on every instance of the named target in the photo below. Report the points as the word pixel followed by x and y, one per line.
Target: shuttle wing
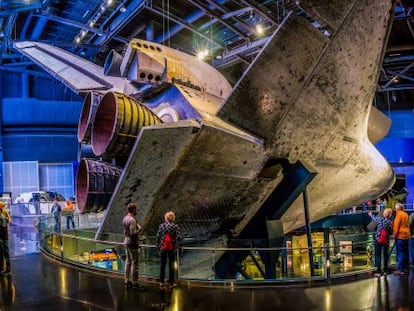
pixel 76 73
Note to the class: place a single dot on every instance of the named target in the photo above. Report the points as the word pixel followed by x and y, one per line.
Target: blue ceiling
pixel 228 28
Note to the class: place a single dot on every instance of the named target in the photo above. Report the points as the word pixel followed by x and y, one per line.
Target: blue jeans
pixel 378 250
pixel 402 254
pixel 411 249
pixel 69 219
pixel 57 223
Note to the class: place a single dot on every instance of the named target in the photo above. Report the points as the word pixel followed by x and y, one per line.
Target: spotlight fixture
pixel 201 55
pixel 259 29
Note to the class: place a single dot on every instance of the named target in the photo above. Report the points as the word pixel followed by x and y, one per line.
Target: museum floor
pixel 38 283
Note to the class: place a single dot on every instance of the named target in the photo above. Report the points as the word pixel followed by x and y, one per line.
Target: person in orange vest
pixel 401 230
pixel 69 210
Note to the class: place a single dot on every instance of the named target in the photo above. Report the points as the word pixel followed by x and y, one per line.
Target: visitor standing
pixel 69 211
pixel 131 230
pixel 401 229
pixel 56 212
pixel 5 220
pixel 382 239
pixel 168 236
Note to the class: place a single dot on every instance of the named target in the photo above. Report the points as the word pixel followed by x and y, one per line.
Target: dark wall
pixel 39 130
pixel 43 86
pixel 39 118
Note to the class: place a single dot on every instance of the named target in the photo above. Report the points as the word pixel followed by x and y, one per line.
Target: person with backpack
pixel 382 239
pixel 401 229
pixel 168 237
pixel 56 212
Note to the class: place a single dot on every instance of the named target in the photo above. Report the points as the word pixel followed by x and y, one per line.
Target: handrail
pixel 44 209
pixel 192 260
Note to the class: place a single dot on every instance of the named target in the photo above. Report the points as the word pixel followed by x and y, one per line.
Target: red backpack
pixel 167 243
pixel 383 237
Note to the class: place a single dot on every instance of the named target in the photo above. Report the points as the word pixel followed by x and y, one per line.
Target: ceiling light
pixel 92 23
pixel 109 2
pixel 122 9
pixel 83 33
pixel 259 29
pixel 77 40
pixel 201 55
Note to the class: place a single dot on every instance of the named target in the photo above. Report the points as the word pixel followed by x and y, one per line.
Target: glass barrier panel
pixel 347 254
pixel 84 251
pixel 198 264
pixel 244 264
pixel 89 220
pixel 149 261
pixel 53 243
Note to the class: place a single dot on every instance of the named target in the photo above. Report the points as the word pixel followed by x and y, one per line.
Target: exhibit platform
pixel 40 283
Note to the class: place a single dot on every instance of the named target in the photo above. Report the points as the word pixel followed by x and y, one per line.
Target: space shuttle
pixel 169 132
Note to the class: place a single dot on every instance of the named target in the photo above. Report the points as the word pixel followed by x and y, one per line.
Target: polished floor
pixel 38 283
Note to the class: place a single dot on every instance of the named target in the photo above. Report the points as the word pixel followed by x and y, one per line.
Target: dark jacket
pixel 382 222
pixel 173 230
